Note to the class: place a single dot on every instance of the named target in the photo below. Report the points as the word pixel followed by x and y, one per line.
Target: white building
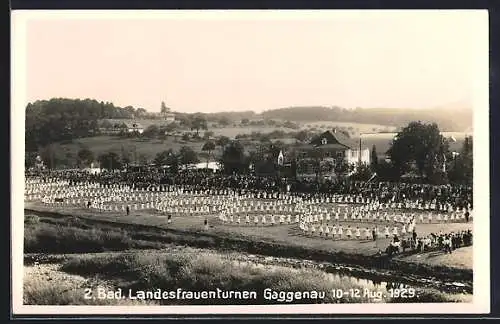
pixel 134 127
pixel 352 156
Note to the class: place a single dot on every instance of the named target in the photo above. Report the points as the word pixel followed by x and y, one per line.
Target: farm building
pixel 134 127
pixel 328 149
pixel 168 117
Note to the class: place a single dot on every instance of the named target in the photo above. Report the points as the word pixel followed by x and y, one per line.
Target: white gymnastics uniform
pixel 386 231
pixel 367 233
pixel 341 231
pixel 358 233
pixel 327 230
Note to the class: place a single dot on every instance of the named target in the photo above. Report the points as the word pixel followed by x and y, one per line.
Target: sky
pixel 221 61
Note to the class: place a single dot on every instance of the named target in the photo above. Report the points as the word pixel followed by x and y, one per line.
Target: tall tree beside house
pixel 199 122
pixel 461 164
pixel 85 157
pixel 419 144
pixel 110 161
pixel 233 159
pixel 374 159
pixel 208 147
pixel 187 155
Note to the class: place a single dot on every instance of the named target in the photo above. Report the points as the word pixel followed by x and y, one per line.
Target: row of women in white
pixel 340 232
pixel 181 202
pixel 36 189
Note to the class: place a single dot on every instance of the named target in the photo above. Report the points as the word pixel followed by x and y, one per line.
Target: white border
pixel 481 247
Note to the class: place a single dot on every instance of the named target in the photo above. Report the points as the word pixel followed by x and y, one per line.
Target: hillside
pixel 397 117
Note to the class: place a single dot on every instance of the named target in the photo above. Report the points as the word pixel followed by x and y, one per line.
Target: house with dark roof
pixel 133 127
pixel 326 152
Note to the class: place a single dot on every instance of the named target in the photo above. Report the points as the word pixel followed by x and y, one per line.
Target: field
pixel 143 147
pixel 81 253
pixel 354 128
pixel 232 130
pixel 283 235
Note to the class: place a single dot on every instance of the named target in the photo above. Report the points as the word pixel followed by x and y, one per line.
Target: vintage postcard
pixel 250 162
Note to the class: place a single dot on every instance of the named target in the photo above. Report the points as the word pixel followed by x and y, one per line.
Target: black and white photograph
pixel 256 162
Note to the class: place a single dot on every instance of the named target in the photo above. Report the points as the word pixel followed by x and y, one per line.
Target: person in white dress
pixel 386 232
pixel 334 231
pixel 358 233
pixel 327 231
pixel 340 232
pixel 247 219
pixel 367 233
pixel 349 232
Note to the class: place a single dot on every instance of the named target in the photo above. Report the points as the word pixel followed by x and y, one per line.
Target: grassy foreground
pixel 191 271
pixel 45 230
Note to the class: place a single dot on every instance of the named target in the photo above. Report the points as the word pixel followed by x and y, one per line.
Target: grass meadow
pixel 131 257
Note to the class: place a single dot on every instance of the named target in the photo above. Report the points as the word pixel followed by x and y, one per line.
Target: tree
pixel 224 121
pixel 233 159
pixel 51 156
pixel 374 159
pixel 30 159
pixel 168 158
pixel 207 135
pixel 85 157
pixel 460 168
pixel 110 161
pixel 208 147
pixel 245 121
pixel 187 155
pixel 141 112
pixel 198 122
pixel 222 141
pixel 170 127
pixel 302 136
pixel 419 144
pixel 152 131
pixel 125 156
pixel 363 173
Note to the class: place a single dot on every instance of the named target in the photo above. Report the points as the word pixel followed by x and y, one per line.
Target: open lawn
pixel 354 128
pixel 143 147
